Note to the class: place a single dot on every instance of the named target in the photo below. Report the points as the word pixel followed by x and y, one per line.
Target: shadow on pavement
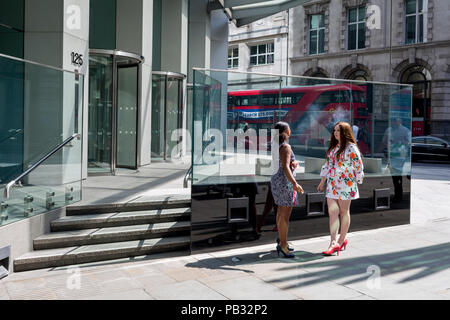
pixel 427 261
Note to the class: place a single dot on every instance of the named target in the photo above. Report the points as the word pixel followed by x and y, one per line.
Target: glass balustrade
pixel 40 108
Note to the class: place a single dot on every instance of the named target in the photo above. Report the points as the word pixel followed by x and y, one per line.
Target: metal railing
pixel 187 177
pixel 37 164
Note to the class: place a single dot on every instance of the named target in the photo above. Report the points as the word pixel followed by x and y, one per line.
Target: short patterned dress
pixel 343 173
pixel 282 189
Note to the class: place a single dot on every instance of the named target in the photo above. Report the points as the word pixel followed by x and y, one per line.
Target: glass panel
pixel 31 98
pixel 261 59
pixel 361 35
pixel 361 13
pixel 127 89
pixel 314 24
pixel 157 25
pixel 236 52
pixel 420 26
pixel 271 47
pixel 11 42
pixel 158 98
pixel 11 119
pixel 410 29
pixel 310 109
pixel 253 50
pixel 270 58
pixel 420 6
pixel 321 41
pixel 173 115
pixel 235 63
pixel 262 48
pixel 100 113
pixel 12 14
pixel 230 53
pixel 410 6
pixel 352 37
pixel 12 28
pixel 253 61
pixel 229 63
pixel 102 24
pixel 352 13
pixel 322 21
pixel 313 42
pixel 235 152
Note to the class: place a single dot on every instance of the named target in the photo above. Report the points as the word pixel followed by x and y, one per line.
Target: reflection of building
pixel 345 48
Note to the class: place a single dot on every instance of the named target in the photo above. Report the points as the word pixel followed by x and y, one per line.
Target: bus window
pixel 332 97
pixel 269 99
pixel 358 97
pixel 291 98
pixel 231 101
pixel 242 101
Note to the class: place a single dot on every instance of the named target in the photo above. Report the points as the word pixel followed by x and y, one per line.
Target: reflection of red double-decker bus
pixel 311 112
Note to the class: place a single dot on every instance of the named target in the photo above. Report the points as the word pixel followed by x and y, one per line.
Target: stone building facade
pixel 398 41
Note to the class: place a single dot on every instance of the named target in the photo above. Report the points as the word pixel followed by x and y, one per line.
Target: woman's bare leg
pixel 333 212
pixel 344 212
pixel 283 215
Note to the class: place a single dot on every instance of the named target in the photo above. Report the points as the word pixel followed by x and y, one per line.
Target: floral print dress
pixel 343 173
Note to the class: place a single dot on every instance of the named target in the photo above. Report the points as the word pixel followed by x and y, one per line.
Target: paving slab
pixel 137 294
pixel 187 290
pixel 250 288
pixel 154 281
pixel 3 293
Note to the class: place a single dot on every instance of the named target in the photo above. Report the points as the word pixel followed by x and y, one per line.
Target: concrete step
pixel 112 234
pixel 140 203
pixel 106 220
pixel 99 252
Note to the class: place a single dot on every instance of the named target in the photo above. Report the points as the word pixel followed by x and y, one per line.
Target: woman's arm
pixel 285 155
pixel 357 164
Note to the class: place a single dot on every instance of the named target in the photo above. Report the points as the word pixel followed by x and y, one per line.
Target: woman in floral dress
pixel 342 172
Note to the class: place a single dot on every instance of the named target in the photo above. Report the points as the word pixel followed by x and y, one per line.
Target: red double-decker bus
pixel 311 112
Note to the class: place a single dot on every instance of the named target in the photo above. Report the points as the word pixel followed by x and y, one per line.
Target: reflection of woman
pixel 341 172
pixel 284 188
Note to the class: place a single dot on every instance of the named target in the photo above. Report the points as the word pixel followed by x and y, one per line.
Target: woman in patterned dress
pixel 341 173
pixel 284 187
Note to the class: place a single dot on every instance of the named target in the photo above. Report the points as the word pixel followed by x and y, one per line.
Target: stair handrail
pixel 187 177
pixel 37 164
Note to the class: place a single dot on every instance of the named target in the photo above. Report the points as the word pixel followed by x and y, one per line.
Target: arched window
pixel 360 75
pixel 420 78
pixel 318 74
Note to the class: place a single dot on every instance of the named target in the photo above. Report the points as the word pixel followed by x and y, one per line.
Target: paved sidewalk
pixel 412 261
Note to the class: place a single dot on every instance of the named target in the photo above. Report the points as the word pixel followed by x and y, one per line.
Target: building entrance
pixel 167 113
pixel 113 111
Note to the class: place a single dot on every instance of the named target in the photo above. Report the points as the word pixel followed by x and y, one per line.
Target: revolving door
pixel 113 111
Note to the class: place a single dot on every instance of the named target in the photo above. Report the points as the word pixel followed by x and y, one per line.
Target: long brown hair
pixel 347 136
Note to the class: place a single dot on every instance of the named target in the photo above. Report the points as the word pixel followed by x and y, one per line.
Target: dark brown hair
pixel 283 128
pixel 347 137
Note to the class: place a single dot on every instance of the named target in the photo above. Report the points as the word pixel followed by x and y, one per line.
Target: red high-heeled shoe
pixel 336 248
pixel 344 245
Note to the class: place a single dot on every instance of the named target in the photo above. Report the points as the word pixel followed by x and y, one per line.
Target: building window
pixel 357 28
pixel 233 58
pixel 317 34
pixel 262 54
pixel 415 21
